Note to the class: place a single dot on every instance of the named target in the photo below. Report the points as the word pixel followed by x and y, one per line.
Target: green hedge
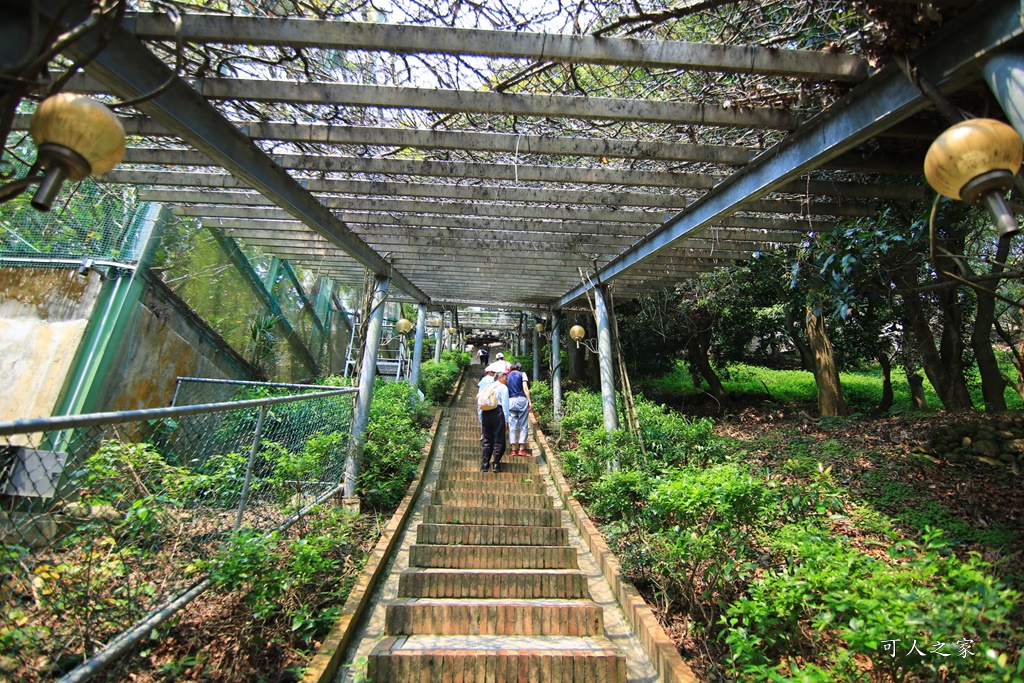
pixel 759 562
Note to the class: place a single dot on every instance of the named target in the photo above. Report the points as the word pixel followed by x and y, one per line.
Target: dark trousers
pixel 493 425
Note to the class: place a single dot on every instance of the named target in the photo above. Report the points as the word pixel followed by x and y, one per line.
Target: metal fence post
pixel 556 366
pixel 417 347
pixel 248 468
pixel 604 347
pixel 367 373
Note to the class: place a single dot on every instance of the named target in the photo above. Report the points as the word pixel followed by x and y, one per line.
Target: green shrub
pixel 119 474
pixel 672 439
pixel 461 359
pixel 541 401
pixel 394 438
pixel 621 495
pixel 582 411
pixel 826 597
pixel 437 380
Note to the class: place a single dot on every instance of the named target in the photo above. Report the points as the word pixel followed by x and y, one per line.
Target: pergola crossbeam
pixel 885 99
pixel 124 66
pixel 396 39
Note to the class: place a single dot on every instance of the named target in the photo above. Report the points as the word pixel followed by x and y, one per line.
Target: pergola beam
pixel 884 100
pixel 188 202
pixel 526 173
pixel 545 47
pixel 506 143
pixel 493 103
pixel 125 67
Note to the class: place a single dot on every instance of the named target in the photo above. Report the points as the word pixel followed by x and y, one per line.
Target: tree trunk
pixel 885 405
pixel 951 350
pixel 831 402
pixel 697 347
pixel 946 376
pixel 806 355
pixel 993 385
pixel 1018 360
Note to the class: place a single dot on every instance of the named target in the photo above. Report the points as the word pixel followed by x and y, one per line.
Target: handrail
pixel 50 424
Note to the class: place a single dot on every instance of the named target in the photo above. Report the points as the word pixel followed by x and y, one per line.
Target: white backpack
pixel 487 398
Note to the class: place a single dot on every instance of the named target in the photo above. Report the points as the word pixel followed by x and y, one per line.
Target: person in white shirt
pixel 495 423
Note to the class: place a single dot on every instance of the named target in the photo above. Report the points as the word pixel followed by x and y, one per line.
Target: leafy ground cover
pixel 154 520
pixel 777 546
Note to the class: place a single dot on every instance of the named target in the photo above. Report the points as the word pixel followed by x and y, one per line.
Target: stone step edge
pixel 655 641
pixel 578 618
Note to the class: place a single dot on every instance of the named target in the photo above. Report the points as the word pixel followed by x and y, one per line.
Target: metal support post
pixel 367 373
pixel 417 348
pixel 1004 74
pixel 604 348
pixel 439 336
pixel 556 366
pixel 536 354
pixel 248 467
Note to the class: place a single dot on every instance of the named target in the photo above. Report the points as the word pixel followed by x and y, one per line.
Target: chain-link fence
pixel 110 521
pixel 91 220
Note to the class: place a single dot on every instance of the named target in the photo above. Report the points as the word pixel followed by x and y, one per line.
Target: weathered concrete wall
pixel 43 316
pixel 162 341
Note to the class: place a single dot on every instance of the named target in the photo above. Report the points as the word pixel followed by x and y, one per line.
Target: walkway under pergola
pixel 574 191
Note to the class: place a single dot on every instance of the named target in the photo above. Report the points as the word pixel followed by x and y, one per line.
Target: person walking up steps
pixel 493 403
pixel 518 409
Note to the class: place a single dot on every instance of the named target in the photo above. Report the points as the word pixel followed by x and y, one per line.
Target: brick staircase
pixel 493 591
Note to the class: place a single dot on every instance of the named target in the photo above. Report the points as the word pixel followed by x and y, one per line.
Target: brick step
pixel 489 534
pixel 427 616
pixel 492 556
pixel 451 514
pixel 447 659
pixel 509 477
pixel 506 500
pixel 508 465
pixel 520 583
pixel 535 488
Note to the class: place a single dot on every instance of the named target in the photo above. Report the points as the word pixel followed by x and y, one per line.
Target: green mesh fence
pixel 102 523
pixel 199 270
pixel 88 220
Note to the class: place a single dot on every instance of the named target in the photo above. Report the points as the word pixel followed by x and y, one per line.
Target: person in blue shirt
pixel 495 425
pixel 518 409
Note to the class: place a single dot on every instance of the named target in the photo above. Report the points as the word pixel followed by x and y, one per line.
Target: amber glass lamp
pixel 975 161
pixel 403 326
pixel 577 333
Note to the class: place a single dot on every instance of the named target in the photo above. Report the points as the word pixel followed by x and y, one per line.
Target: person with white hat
pixel 500 364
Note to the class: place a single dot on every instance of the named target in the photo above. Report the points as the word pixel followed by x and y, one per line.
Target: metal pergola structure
pixel 564 213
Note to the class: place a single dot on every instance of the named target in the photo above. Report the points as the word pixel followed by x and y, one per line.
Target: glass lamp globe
pixel 403 326
pixel 77 137
pixel 577 333
pixel 975 161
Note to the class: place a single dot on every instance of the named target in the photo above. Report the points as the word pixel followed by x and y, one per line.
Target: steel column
pixel 556 366
pixel 417 347
pixel 439 337
pixel 536 354
pixel 367 374
pixel 604 350
pixel 1005 76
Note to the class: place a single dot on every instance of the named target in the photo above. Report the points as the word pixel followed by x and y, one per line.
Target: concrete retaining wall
pixel 43 316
